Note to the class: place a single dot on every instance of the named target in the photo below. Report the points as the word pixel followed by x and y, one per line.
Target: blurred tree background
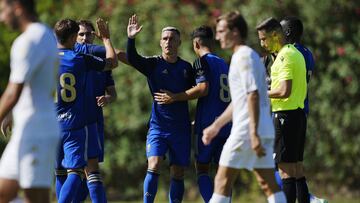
pixel 332 33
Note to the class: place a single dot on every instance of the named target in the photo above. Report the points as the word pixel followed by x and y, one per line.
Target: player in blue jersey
pixel 102 87
pixel 169 125
pixel 71 104
pixel 212 89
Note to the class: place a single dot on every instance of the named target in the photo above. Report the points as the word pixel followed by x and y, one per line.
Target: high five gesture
pixel 133 27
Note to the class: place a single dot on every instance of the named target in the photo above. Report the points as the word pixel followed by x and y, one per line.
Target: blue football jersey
pixel 96 81
pixel 310 65
pixel 71 90
pixel 175 77
pixel 214 70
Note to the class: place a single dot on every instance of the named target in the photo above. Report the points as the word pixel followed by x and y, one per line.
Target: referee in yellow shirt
pixel 287 94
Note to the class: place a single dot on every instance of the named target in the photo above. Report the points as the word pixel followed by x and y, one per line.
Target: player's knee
pixel 202 169
pixel 92 165
pixel 94 177
pixel 222 182
pixel 177 172
pixel 61 172
pixel 153 164
pixel 79 172
pixel 7 193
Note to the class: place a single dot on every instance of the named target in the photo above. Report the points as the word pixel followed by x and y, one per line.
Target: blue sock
pixel 278 179
pixel 150 186
pixel 69 188
pixel 82 192
pixel 59 182
pixel 96 188
pixel 205 186
pixel 176 192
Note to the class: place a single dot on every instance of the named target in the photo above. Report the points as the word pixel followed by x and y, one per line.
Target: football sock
pixel 302 190
pixel 177 189
pixel 82 192
pixel 150 186
pixel 96 188
pixel 278 197
pixel 289 188
pixel 216 198
pixel 205 186
pixel 61 176
pixel 278 179
pixel 70 188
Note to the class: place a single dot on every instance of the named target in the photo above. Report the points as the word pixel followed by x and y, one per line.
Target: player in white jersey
pixel 29 157
pixel 250 144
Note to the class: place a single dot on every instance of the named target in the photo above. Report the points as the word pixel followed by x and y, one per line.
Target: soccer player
pixel 169 125
pixel 29 157
pixel 71 105
pixel 98 83
pixel 213 92
pixel 250 144
pixel 287 93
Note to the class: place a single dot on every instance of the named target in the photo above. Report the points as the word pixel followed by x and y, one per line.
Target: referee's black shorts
pixel 290 131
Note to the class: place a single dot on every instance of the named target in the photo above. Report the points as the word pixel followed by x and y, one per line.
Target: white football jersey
pixel 247 74
pixel 34 62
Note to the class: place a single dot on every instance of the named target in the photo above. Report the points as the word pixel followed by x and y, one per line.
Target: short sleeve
pixel 25 59
pixel 200 68
pixel 285 73
pixel 94 62
pixel 247 74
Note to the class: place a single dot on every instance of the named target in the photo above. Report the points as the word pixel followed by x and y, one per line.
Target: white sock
pixel 278 197
pixel 216 198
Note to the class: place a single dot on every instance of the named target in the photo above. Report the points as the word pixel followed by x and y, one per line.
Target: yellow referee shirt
pixel 289 65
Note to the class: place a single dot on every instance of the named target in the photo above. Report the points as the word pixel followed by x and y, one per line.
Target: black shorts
pixel 290 131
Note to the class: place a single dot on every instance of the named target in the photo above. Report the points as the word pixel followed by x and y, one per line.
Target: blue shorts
pixel 94 144
pixel 205 154
pixel 177 144
pixel 100 129
pixel 72 151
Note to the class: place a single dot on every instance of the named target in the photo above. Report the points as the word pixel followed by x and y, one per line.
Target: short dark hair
pixel 64 29
pixel 28 5
pixel 292 28
pixel 269 25
pixel 235 20
pixel 86 23
pixel 204 33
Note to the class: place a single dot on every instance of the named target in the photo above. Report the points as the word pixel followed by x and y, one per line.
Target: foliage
pixel 332 32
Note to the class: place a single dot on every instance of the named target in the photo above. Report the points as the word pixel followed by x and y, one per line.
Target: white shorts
pixel 30 159
pixel 238 154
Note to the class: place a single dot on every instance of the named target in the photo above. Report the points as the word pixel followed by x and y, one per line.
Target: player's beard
pixel 14 22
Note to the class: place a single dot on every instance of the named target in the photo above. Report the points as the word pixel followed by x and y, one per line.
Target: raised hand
pixel 133 27
pixel 103 29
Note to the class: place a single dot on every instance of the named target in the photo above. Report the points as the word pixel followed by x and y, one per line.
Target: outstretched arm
pixel 104 33
pixel 141 63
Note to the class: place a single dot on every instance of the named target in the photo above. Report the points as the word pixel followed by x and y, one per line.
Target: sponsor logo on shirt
pixel 64 116
pixel 165 71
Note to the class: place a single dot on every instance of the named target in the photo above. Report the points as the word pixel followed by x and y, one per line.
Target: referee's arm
pixel 283 91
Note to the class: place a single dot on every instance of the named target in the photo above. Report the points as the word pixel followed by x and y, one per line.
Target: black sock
pixel 289 188
pixel 302 191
